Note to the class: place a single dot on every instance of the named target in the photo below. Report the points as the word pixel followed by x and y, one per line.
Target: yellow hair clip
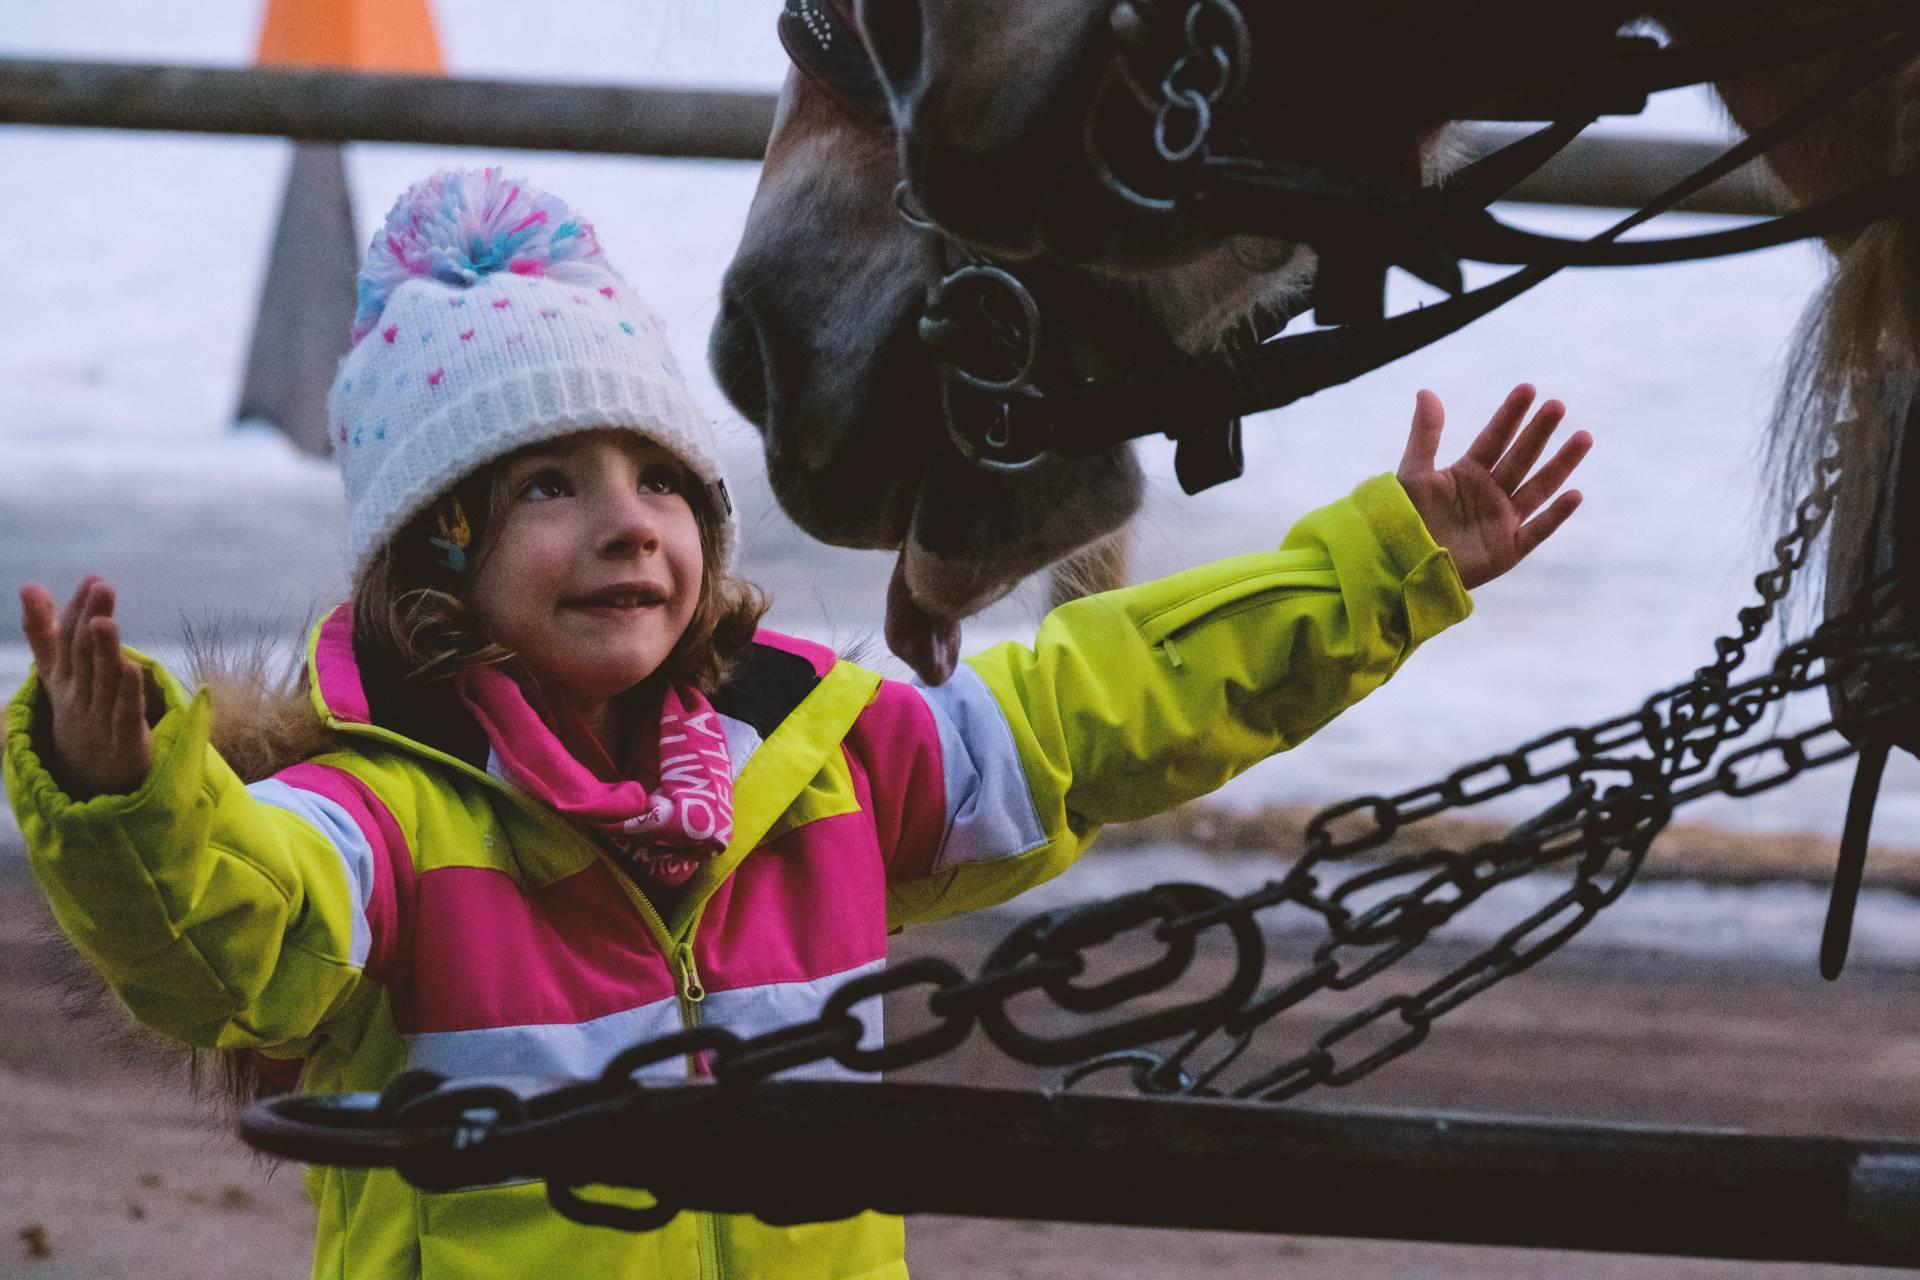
pixel 455 534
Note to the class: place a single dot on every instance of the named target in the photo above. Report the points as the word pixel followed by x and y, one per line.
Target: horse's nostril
pixel 894 32
pixel 739 363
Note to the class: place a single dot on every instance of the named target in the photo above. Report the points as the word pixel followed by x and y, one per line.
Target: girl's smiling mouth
pixel 615 601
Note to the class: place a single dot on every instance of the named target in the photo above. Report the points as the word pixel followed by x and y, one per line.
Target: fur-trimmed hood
pixel 263 714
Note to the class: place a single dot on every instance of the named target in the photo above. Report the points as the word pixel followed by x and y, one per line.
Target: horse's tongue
pixel 928 644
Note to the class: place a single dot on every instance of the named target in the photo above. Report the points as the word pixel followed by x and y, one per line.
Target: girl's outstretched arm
pixel 1133 701
pixel 99 740
pixel 1485 509
pixel 224 915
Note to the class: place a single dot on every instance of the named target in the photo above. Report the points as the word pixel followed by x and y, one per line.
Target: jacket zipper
pixel 688 988
pixel 690 992
pixel 1162 633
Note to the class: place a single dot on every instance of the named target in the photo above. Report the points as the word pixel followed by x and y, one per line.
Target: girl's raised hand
pixel 99 738
pixel 1485 509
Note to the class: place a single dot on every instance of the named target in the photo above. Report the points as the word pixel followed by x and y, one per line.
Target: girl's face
pixel 596 567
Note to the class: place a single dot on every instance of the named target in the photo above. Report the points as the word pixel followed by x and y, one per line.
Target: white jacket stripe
pixel 550 1049
pixel 990 811
pixel 583 1049
pixel 344 834
pixel 751 1011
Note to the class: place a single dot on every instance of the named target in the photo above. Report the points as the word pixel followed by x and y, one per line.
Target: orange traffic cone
pixel 365 35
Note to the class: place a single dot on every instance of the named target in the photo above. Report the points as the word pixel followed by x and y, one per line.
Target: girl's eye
pixel 662 478
pixel 543 485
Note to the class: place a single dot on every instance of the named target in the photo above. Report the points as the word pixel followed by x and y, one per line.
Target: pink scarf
pixel 685 820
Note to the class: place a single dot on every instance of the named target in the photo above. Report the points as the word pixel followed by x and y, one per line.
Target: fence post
pixel 306 301
pixel 300 330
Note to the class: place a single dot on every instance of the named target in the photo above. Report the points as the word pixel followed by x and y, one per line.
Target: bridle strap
pixel 1360 231
pixel 1248 196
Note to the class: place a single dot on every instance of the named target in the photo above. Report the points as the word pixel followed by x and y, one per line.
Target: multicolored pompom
pixel 459 226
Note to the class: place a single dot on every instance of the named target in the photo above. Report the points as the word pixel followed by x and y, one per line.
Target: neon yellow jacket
pixel 396 905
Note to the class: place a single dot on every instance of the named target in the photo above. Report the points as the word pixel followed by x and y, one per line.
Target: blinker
pixel 822 41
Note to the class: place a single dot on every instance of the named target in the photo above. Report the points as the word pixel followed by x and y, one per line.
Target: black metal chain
pixel 1623 778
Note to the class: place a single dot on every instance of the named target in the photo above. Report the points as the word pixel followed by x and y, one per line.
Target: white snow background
pixel 134 262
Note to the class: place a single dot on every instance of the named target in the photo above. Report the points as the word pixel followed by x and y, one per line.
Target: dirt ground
pixel 107 1171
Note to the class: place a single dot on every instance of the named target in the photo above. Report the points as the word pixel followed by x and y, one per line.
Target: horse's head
pixel 819 345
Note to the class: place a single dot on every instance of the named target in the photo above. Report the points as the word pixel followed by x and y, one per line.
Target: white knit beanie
pixel 489 319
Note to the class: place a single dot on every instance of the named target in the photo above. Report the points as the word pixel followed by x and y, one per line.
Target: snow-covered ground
pixel 135 262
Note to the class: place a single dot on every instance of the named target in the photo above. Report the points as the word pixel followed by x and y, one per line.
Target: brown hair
pixel 414 626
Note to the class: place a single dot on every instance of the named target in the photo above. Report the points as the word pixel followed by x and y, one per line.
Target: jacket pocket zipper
pixel 1164 631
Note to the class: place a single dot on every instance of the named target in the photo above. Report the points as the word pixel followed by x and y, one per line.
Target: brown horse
pixel 986 112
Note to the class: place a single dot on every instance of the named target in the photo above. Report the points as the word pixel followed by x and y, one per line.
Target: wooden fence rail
pixel 316 105
pixel 340 106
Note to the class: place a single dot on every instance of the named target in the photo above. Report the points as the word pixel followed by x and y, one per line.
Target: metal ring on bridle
pixel 1222 74
pixel 1097 156
pixel 994 450
pixel 1008 283
pixel 1194 101
pixel 1234 61
pixel 909 214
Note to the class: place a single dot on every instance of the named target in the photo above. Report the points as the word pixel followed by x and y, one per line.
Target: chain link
pixel 1204 75
pixel 1182 94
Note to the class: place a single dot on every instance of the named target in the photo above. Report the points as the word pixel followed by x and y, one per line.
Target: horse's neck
pixel 1849 148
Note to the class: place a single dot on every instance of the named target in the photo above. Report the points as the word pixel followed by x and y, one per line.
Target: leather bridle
pixel 987 330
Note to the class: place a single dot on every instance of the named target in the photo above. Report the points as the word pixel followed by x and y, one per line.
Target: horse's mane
pixel 1854 366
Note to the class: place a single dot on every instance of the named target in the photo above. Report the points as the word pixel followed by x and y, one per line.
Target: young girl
pixel 570 797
